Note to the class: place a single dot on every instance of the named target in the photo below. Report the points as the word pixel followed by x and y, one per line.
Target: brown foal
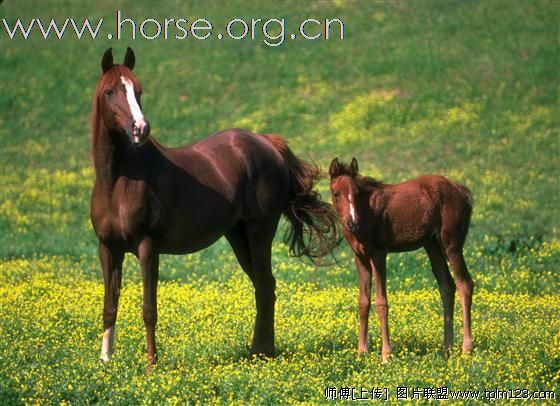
pixel 431 212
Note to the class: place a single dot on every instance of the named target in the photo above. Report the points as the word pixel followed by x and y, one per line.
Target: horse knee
pixel 265 290
pixel 382 308
pixel 466 286
pixel 149 315
pixel 364 305
pixel 448 289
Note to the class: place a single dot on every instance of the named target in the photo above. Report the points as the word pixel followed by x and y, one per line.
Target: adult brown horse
pixel 151 200
pixel 430 212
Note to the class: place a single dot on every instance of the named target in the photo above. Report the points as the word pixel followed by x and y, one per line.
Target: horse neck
pixel 107 151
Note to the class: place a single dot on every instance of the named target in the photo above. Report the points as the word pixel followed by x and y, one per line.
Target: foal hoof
pixel 152 360
pixel 468 348
pixel 385 357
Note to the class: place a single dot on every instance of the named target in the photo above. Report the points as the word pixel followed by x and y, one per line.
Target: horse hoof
pixel 261 355
pixel 105 356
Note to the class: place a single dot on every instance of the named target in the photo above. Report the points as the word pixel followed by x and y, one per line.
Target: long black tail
pixel 314 224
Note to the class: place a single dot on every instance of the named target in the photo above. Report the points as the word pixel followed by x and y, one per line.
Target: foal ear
pixel 107 60
pixel 354 167
pixel 129 58
pixel 334 169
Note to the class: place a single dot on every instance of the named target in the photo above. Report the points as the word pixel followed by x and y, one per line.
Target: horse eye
pixel 109 92
pixel 336 195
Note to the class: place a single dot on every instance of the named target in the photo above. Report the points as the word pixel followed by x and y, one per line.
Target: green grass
pixel 467 89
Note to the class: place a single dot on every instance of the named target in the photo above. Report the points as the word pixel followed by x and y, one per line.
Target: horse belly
pixel 192 230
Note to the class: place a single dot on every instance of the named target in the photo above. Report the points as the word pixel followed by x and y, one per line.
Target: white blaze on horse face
pixel 108 343
pixel 135 110
pixel 352 210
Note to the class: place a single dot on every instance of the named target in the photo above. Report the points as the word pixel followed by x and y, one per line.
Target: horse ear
pixel 107 60
pixel 354 167
pixel 334 168
pixel 129 58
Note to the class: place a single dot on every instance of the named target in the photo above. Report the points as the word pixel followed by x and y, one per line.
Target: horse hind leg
pixel 237 238
pixel 149 263
pixel 259 238
pixel 465 284
pixel 446 287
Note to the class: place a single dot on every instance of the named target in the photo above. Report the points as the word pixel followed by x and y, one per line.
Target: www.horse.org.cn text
pixel 270 31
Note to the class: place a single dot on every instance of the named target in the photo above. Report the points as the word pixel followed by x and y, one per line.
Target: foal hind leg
pixel 111 265
pixel 259 237
pixel 465 286
pixel 446 287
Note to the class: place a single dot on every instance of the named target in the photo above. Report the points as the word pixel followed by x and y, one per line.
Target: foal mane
pixel 365 182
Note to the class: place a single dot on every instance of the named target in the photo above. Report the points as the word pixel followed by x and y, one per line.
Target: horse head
pixel 118 95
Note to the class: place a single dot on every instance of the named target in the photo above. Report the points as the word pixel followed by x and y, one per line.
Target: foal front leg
pixel 381 304
pixel 149 262
pixel 364 300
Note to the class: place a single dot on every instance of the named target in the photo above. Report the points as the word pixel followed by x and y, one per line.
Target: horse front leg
pixel 381 304
pixel 149 262
pixel 111 265
pixel 364 300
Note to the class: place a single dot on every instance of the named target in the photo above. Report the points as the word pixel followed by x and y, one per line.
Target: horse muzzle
pixel 140 133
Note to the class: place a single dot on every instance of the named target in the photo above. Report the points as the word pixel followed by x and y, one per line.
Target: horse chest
pixel 122 214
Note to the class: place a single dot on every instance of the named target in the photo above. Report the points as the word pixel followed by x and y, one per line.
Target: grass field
pixel 468 89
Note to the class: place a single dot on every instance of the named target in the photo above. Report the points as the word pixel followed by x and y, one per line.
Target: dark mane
pixel 366 182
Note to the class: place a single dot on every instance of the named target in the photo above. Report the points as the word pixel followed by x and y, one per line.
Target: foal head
pixel 344 190
pixel 117 100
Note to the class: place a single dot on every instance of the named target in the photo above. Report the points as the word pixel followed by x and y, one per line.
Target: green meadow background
pixel 467 89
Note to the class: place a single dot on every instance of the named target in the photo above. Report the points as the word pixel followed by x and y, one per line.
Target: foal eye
pixel 109 92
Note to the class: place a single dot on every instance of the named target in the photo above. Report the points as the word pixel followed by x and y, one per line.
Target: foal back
pixel 408 215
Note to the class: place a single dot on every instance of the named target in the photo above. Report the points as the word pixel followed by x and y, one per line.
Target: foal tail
pixel 467 195
pixel 313 230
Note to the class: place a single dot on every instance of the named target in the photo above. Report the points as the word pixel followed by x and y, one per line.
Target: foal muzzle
pixel 352 226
